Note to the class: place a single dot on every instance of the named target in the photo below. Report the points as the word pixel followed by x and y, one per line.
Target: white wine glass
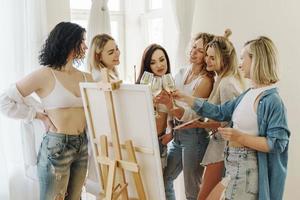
pixel 156 88
pixel 146 78
pixel 169 85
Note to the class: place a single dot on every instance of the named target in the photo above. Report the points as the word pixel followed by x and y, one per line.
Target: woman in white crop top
pixel 62 158
pixel 188 146
pixel 103 53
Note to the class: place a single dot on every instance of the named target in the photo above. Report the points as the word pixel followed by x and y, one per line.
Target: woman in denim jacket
pixel 256 156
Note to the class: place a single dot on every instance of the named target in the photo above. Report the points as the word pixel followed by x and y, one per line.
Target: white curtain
pixel 23 25
pixel 99 21
pixel 184 12
pixel 184 15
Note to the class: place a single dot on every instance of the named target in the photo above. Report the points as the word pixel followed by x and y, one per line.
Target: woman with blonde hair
pixel 103 53
pixel 257 152
pixel 188 146
pixel 221 58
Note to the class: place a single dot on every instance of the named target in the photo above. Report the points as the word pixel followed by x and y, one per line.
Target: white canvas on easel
pixel 135 121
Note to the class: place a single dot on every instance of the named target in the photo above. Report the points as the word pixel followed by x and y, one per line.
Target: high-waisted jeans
pixel 62 166
pixel 185 154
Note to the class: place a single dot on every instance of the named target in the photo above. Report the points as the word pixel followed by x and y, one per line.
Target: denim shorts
pixel 62 165
pixel 241 165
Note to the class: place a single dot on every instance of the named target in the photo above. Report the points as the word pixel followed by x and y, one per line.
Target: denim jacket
pixel 272 124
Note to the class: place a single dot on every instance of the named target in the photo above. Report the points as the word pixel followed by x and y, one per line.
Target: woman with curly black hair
pixel 63 154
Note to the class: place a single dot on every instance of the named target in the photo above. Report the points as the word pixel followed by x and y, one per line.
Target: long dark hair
pixel 146 60
pixel 62 40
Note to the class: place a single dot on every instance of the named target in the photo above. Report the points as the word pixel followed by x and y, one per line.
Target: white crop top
pixel 60 97
pixel 244 116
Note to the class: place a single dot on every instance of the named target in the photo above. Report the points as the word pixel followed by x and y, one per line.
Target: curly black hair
pixel 64 38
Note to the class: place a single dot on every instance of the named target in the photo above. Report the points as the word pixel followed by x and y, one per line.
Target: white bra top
pixel 60 97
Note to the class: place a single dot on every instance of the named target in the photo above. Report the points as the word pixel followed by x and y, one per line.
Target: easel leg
pixel 136 176
pixel 111 181
pixel 104 152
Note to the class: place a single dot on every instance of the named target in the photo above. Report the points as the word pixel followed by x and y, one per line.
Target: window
pixel 155 4
pixel 80 10
pixel 134 24
pixel 155 22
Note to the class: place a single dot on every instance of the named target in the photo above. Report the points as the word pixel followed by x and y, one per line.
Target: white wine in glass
pixel 156 88
pixel 146 78
pixel 168 83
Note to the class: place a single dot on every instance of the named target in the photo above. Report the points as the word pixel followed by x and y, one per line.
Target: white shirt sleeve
pixel 14 105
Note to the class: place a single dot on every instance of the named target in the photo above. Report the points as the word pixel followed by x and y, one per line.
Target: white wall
pixel 57 11
pixel 280 21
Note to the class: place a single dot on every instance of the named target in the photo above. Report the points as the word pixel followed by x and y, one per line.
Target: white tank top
pixel 180 79
pixel 60 97
pixel 244 116
pixel 186 88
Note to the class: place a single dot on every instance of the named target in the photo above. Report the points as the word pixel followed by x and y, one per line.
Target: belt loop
pixel 66 138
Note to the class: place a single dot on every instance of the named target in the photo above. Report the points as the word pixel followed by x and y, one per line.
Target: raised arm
pixel 203 90
pixel 221 112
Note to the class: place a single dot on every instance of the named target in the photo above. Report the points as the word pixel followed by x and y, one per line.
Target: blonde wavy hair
pixel 264 66
pixel 95 50
pixel 206 38
pixel 226 56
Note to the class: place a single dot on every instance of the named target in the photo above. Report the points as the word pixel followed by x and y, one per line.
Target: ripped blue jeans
pixel 62 166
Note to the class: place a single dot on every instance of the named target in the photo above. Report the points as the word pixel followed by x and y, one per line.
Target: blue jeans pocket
pixel 252 181
pixel 55 147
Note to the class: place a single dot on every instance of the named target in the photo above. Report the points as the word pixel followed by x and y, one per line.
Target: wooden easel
pixel 112 171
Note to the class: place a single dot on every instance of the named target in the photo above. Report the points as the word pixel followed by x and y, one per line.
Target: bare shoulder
pixel 86 74
pixel 207 80
pixel 34 81
pixel 204 88
pixel 88 77
pixel 37 76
